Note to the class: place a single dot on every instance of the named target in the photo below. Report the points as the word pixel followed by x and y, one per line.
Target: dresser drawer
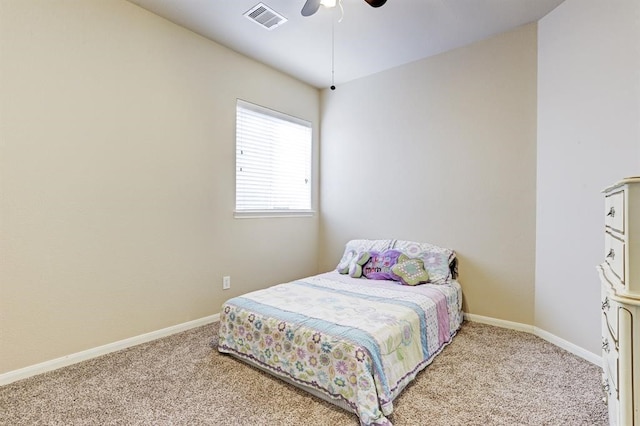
pixel 615 256
pixel 614 211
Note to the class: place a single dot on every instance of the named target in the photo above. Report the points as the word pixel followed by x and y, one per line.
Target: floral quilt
pixel 356 340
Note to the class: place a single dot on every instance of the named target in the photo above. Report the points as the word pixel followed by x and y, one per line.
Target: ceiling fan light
pixel 328 3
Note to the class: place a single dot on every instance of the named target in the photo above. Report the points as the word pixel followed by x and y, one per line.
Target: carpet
pixel 486 376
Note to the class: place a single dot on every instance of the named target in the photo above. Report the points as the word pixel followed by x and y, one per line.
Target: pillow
pixel 355 268
pixel 379 265
pixel 437 260
pixel 438 266
pixel 411 271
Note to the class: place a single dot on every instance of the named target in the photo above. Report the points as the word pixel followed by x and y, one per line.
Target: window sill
pixel 261 214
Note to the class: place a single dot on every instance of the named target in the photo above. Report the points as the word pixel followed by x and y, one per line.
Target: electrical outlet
pixel 226 282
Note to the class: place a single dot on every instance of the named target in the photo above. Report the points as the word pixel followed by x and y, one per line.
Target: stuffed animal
pixel 358 261
pixel 345 262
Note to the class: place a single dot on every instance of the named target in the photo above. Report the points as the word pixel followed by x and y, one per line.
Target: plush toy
pixel 379 265
pixel 355 268
pixel 345 262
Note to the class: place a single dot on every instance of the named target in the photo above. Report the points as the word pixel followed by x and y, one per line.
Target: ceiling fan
pixel 312 6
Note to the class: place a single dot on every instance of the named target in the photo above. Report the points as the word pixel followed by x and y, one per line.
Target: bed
pixel 355 342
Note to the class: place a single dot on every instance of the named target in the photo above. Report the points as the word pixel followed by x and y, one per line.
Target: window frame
pixel 266 212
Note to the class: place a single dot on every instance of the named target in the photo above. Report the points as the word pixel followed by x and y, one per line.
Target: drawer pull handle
pixel 611 254
pixel 605 345
pixel 605 304
pixel 606 388
pixel 612 212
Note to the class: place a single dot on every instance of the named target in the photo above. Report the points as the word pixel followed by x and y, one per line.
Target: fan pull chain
pixel 333 53
pixel 333 44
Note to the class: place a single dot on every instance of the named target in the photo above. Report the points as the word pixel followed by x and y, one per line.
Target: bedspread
pixel 356 340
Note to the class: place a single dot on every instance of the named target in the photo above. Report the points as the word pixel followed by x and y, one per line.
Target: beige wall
pixel 117 177
pixel 442 150
pixel 588 138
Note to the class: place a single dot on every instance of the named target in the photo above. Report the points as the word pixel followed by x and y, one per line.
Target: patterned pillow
pixel 411 271
pixel 437 260
pixel 437 264
pixel 379 265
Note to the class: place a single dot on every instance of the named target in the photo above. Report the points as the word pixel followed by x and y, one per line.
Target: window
pixel 273 162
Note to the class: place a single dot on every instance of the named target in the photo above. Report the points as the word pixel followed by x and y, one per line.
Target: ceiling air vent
pixel 264 16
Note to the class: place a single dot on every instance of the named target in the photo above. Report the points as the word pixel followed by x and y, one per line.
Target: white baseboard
pixel 568 346
pixel 551 338
pixel 66 360
pixel 499 323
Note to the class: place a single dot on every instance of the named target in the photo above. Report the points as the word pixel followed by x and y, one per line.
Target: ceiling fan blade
pixel 376 3
pixel 311 7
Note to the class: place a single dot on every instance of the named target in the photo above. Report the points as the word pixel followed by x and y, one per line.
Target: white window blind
pixel 273 161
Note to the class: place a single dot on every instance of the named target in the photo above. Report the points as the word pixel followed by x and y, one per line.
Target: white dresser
pixel 620 277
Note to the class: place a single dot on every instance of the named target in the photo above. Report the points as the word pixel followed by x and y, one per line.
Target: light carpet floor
pixel 487 376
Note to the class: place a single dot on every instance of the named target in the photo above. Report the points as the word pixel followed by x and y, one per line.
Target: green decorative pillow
pixel 411 271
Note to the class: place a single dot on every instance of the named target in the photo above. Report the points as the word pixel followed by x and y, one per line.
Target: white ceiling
pixel 367 41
